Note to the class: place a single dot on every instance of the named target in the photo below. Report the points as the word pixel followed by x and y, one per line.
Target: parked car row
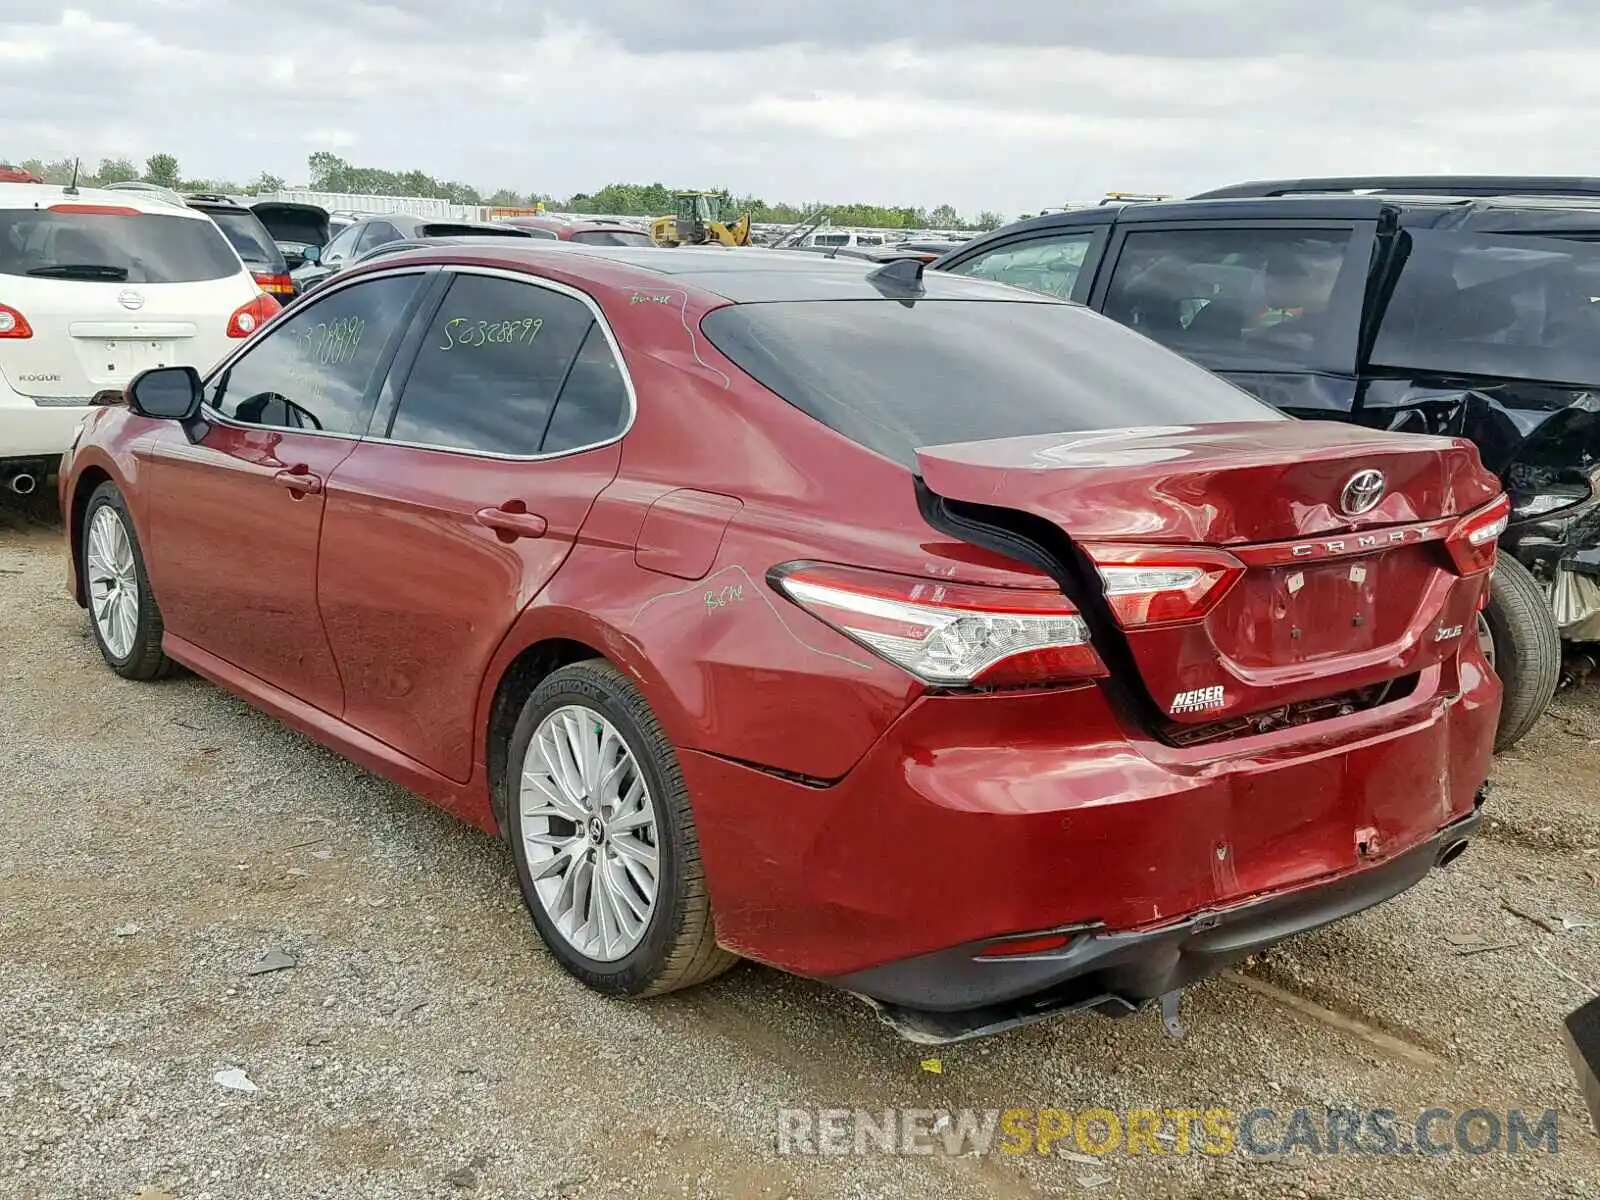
pixel 1465 307
pixel 942 640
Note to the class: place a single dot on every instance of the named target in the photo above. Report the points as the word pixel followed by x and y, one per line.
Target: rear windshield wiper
pixel 81 271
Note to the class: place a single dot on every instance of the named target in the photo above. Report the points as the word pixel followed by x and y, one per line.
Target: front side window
pixel 490 367
pixel 341 246
pixel 74 242
pixel 311 372
pixel 1238 297
pixel 1502 305
pixel 1050 265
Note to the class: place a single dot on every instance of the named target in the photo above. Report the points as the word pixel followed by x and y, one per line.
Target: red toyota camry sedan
pixel 949 643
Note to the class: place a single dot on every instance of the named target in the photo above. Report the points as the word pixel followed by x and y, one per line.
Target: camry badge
pixel 1361 494
pixel 130 299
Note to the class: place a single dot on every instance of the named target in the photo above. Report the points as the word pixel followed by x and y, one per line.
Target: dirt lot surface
pixel 157 840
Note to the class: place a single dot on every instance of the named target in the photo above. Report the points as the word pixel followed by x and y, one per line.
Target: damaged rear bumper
pixel 955 994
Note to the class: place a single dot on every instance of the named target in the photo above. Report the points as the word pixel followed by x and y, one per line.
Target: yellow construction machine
pixel 698 222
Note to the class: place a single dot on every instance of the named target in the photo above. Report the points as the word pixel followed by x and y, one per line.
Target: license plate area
pixel 1306 612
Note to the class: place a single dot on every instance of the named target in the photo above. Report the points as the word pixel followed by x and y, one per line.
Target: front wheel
pixel 1523 646
pixel 603 840
pixel 122 611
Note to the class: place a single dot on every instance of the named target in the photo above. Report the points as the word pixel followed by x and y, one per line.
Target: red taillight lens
pixel 248 318
pixel 273 285
pixel 13 324
pixel 949 634
pixel 1474 542
pixel 1163 585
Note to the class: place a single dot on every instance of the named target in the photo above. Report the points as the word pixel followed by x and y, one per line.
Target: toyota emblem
pixel 1361 494
pixel 130 299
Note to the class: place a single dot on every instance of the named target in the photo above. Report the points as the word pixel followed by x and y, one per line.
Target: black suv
pixel 244 230
pixel 1445 305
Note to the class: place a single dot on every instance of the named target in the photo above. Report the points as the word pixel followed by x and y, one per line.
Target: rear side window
pixel 1241 297
pixel 311 370
pixel 115 247
pixel 249 237
pixel 893 377
pixel 612 237
pixel 446 229
pixel 493 361
pixel 1043 264
pixel 1495 304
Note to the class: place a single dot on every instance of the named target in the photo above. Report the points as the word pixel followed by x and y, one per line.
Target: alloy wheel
pixel 113 581
pixel 589 833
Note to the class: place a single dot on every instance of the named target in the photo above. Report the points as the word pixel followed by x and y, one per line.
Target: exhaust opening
pixel 23 484
pixel 1452 852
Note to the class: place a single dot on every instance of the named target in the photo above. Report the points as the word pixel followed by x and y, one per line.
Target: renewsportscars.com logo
pixel 1259 1132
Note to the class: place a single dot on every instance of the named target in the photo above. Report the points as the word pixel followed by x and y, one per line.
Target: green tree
pixel 990 220
pixel 266 182
pixel 162 169
pixel 505 198
pixel 945 217
pixel 115 170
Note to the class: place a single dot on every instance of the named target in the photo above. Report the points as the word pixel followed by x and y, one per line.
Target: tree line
pixel 327 172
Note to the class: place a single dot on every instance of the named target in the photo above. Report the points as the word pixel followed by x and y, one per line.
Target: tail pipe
pixel 23 484
pixel 1451 851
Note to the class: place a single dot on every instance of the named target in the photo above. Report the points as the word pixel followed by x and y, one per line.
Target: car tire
pixel 675 944
pixel 1527 648
pixel 123 612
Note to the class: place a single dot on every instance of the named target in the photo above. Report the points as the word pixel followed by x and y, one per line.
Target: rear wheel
pixel 122 611
pixel 603 839
pixel 1524 647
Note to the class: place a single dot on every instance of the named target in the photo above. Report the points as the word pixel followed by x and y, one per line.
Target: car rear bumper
pixel 33 431
pixel 956 994
pixel 976 818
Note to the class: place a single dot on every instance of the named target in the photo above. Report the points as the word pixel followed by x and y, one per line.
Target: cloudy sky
pixel 1006 106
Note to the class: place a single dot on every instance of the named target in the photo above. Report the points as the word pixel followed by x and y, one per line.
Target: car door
pixel 235 516
pixel 1275 306
pixel 497 428
pixel 1058 261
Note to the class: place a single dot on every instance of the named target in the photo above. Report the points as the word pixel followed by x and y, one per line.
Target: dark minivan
pixel 1468 307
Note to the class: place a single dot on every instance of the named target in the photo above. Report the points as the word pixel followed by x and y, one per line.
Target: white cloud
pixel 906 106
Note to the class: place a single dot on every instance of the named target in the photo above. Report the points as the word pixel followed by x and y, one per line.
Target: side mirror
pixel 167 393
pixel 311 255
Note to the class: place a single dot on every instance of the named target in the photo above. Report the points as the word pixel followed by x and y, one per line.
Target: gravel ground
pixel 156 841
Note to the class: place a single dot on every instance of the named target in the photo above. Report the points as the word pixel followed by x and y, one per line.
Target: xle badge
pixel 1198 700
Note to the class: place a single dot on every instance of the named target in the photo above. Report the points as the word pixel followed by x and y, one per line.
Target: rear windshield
pixel 1503 305
pixel 249 237
pixel 612 237
pixel 447 230
pixel 96 247
pixel 893 377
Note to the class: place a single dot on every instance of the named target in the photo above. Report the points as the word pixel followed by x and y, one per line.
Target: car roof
pixel 47 195
pixel 1418 185
pixel 745 275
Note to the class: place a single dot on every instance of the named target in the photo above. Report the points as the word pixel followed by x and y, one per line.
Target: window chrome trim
pixel 210 414
pixel 563 289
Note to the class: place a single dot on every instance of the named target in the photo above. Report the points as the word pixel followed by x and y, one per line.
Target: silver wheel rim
pixel 589 833
pixel 1486 640
pixel 113 581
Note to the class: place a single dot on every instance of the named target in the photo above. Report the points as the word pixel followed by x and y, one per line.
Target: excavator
pixel 698 222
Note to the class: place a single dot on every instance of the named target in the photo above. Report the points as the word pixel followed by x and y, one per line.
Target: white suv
pixel 95 286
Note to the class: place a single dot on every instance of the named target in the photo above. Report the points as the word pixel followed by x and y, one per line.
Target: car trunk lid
pixel 1302 585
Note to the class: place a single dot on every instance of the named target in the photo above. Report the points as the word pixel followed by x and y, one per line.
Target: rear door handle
pixel 301 481
pixel 512 520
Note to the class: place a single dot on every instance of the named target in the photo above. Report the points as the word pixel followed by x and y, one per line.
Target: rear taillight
pixel 1474 542
pixel 1160 585
pixel 248 318
pixel 948 634
pixel 273 285
pixel 13 324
